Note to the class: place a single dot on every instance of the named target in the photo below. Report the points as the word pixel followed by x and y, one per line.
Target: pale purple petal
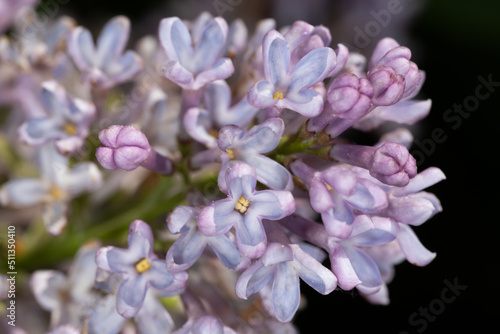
pixel 23 192
pixel 197 122
pixel 413 249
pixel 210 44
pixel 153 318
pixel 261 94
pixel 225 250
pixel 142 229
pixel 131 295
pixel 253 279
pixel 46 286
pixel 175 39
pixel 181 216
pixel 343 268
pixel 422 180
pixel 112 41
pixel 410 209
pixel 175 72
pixel 313 272
pixel 312 68
pixel 185 251
pixel 276 57
pixel 307 102
pixel 81 48
pixel 286 292
pixel 366 270
pixel 271 173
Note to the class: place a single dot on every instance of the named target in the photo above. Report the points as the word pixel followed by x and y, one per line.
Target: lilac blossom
pixel 126 147
pixel 350 264
pixel 68 297
pixel 152 318
pixel 66 123
pixel 192 66
pixel 289 87
pixel 191 243
pixel 337 193
pixel 218 112
pixel 140 269
pixel 57 185
pixel 105 64
pixel 237 145
pixel 390 163
pixel 244 209
pixel 283 265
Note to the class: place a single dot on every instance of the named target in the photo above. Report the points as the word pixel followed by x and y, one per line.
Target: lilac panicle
pixel 105 64
pixel 192 67
pixel 140 269
pixel 191 243
pixel 127 148
pixel 283 265
pixel 67 121
pixel 237 145
pixel 245 208
pixel 291 87
pixel 391 163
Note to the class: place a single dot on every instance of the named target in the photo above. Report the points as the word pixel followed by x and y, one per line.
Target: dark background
pixel 455 42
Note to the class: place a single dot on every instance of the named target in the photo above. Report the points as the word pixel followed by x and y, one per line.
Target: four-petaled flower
pixel 66 123
pixel 244 209
pixel 193 63
pixel 139 267
pixel 291 87
pixel 105 64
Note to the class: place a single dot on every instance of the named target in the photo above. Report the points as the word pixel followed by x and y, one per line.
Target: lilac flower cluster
pixel 262 114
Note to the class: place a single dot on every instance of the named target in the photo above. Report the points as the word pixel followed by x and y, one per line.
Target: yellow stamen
pixel 329 187
pixel 278 95
pixel 142 266
pixel 70 129
pixel 230 153
pixel 56 192
pixel 242 205
pixel 214 133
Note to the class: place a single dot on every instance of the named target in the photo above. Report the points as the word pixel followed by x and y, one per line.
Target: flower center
pixel 242 205
pixel 56 192
pixel 230 153
pixel 329 187
pixel 142 266
pixel 70 129
pixel 278 95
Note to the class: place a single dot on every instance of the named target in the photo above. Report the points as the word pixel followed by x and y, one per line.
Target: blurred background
pixel 457 43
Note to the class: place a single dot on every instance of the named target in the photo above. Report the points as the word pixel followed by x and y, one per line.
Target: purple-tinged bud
pixel 388 87
pixel 127 148
pixel 350 96
pixel 390 163
pixel 399 59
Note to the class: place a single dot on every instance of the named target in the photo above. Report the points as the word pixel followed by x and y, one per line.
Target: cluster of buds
pixel 263 117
